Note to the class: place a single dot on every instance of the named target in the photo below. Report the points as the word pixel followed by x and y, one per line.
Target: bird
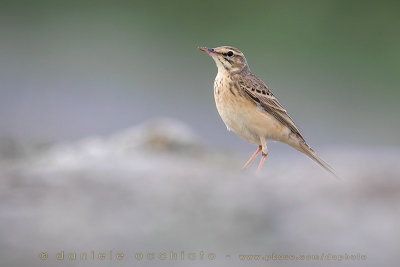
pixel 250 109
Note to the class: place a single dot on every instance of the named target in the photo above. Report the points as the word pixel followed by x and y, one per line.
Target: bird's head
pixel 228 59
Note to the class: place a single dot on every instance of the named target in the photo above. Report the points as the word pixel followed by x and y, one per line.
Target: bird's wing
pixel 258 92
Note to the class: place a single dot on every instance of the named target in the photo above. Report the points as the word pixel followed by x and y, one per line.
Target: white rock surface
pixel 156 188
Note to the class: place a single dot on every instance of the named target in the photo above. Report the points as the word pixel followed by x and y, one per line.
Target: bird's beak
pixel 209 51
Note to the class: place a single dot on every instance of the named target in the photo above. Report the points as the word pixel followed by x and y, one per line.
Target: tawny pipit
pixel 250 109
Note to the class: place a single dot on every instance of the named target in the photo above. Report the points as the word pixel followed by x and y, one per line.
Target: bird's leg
pixel 264 156
pixel 264 152
pixel 252 157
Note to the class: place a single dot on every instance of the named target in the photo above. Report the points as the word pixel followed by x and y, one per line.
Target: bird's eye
pixel 230 53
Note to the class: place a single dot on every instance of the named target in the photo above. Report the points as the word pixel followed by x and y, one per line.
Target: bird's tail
pixel 312 155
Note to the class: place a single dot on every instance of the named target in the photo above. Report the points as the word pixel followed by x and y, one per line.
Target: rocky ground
pixel 155 189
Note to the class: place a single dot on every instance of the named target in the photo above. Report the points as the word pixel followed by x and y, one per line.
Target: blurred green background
pixel 70 69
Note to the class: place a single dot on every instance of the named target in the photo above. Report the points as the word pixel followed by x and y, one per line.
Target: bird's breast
pixel 242 115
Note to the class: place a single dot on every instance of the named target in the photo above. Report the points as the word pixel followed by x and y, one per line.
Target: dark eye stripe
pixel 229 54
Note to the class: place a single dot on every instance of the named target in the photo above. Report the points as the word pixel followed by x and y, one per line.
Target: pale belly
pixel 246 119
